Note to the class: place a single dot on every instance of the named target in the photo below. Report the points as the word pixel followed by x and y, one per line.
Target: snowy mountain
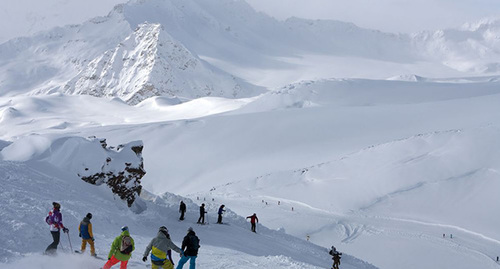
pixel 98 56
pixel 150 63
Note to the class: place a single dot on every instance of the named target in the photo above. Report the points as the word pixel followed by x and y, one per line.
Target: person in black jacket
pixel 182 210
pixel 201 220
pixel 190 246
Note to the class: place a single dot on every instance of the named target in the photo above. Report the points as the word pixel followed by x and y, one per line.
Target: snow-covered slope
pixel 391 148
pixel 35 183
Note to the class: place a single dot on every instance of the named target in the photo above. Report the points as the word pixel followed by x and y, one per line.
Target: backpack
pixel 126 245
pixel 49 219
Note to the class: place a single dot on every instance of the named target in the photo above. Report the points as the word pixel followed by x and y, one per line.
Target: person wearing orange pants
pixel 85 229
pixel 121 250
pixel 113 261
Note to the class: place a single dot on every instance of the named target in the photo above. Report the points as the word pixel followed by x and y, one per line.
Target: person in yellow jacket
pixel 121 250
pixel 161 250
pixel 85 229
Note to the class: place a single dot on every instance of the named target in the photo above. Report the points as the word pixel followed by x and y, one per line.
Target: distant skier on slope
pixel 121 250
pixel 201 220
pixel 190 246
pixel 54 220
pixel 336 257
pixel 253 220
pixel 85 229
pixel 182 210
pixel 220 212
pixel 160 248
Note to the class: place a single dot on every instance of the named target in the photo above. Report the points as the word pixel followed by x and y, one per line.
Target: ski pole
pixel 70 246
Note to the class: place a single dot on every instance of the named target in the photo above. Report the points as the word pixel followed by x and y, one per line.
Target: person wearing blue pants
pixel 190 246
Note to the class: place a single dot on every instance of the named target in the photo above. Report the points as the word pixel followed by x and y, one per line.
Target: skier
pixel 121 250
pixel 54 219
pixel 336 257
pixel 253 219
pixel 182 210
pixel 160 248
pixel 221 211
pixel 190 246
pixel 85 229
pixel 201 220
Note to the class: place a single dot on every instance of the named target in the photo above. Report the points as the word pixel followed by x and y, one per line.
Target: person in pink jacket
pixel 54 220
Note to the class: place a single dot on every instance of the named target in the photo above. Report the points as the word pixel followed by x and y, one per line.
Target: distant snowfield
pixel 363 163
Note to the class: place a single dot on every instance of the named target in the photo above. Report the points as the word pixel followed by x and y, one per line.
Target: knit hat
pixel 124 228
pixel 89 215
pixel 56 205
pixel 190 229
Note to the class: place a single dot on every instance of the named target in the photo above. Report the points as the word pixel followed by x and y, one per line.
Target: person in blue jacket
pixel 221 211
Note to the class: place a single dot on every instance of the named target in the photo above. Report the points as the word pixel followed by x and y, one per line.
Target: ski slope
pixel 363 163
pixel 332 134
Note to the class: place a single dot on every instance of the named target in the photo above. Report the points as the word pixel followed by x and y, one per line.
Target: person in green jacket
pixel 121 250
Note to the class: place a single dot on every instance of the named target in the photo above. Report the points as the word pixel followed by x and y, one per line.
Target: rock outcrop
pixel 122 170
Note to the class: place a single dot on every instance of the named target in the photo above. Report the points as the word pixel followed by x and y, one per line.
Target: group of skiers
pixel 201 220
pixel 160 247
pixel 123 245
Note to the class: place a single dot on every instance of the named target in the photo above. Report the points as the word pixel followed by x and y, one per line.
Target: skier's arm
pixel 60 222
pixel 133 244
pixel 90 231
pixel 114 246
pixel 148 249
pixel 171 245
pixel 185 243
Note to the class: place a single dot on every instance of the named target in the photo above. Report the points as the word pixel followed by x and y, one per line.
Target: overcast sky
pixel 386 15
pixel 24 17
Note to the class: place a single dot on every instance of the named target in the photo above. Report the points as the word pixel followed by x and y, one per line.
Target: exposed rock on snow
pixel 120 168
pixel 124 181
pixel 150 63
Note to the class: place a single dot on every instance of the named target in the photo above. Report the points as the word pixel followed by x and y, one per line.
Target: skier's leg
pixel 192 262
pixel 123 265
pixel 84 245
pixel 55 241
pixel 92 247
pixel 111 262
pixel 182 261
pixel 167 265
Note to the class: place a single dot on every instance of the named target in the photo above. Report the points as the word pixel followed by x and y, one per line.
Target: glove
pixel 79 234
pixel 144 259
pixel 93 239
pixel 182 253
pixel 66 230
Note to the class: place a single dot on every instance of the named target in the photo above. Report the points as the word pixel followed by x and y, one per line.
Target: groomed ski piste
pixel 376 143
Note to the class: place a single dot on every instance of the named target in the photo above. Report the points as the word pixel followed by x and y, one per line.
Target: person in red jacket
pixel 253 220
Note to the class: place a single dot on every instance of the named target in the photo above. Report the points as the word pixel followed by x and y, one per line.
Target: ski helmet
pixel 124 228
pixel 89 215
